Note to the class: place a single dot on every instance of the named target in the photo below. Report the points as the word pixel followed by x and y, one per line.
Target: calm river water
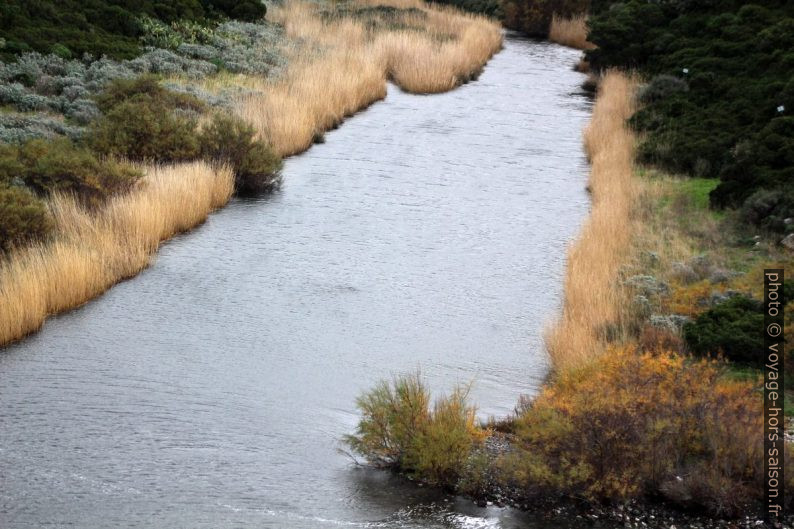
pixel 427 233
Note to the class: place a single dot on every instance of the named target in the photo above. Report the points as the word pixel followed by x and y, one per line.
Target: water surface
pixel 428 233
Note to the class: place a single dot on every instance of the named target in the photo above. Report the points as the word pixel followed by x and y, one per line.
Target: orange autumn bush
pixel 636 424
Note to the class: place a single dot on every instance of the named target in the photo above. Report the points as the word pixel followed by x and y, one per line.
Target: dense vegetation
pixel 533 17
pixel 491 8
pixel 400 430
pixel 630 425
pixel 720 94
pixel 70 28
pixel 141 121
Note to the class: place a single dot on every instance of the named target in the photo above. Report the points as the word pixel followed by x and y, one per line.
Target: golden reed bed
pixel 349 72
pixel 570 32
pixel 594 304
pixel 340 67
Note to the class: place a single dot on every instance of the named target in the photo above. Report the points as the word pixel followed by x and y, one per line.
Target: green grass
pixel 698 190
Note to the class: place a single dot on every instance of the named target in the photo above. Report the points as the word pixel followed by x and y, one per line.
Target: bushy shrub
pixel 60 166
pixel 732 328
pixel 660 87
pixel 141 122
pixel 769 209
pixel 634 424
pixel 398 430
pixel 145 131
pixel 230 140
pixel 23 217
pixel 146 89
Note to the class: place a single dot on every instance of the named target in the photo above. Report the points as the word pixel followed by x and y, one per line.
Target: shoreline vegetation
pixel 651 416
pixel 332 61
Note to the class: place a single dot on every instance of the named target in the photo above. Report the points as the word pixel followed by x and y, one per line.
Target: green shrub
pixel 23 217
pixel 733 328
pixel 392 416
pixel 398 430
pixel 143 122
pixel 60 166
pixel 146 89
pixel 230 140
pixel 661 87
pixel 769 209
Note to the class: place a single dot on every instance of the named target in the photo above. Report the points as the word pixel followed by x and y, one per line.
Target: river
pixel 428 232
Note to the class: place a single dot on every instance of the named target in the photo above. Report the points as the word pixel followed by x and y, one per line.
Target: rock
pixel 788 241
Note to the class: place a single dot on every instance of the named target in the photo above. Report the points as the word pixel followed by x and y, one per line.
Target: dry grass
pixel 594 308
pixel 91 252
pixel 342 65
pixel 570 32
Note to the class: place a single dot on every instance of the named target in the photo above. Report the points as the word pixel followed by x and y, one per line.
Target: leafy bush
pixel 732 328
pixel 60 166
pixel 141 122
pixel 635 424
pixel 770 209
pixel 399 431
pixel 230 140
pixel 146 89
pixel 661 87
pixel 23 217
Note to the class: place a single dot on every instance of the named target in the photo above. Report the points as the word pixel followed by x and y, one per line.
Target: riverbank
pixel 651 268
pixel 338 59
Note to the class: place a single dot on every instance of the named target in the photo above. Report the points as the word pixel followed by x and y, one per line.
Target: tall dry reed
pixel 92 251
pixel 594 304
pixel 570 32
pixel 342 66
